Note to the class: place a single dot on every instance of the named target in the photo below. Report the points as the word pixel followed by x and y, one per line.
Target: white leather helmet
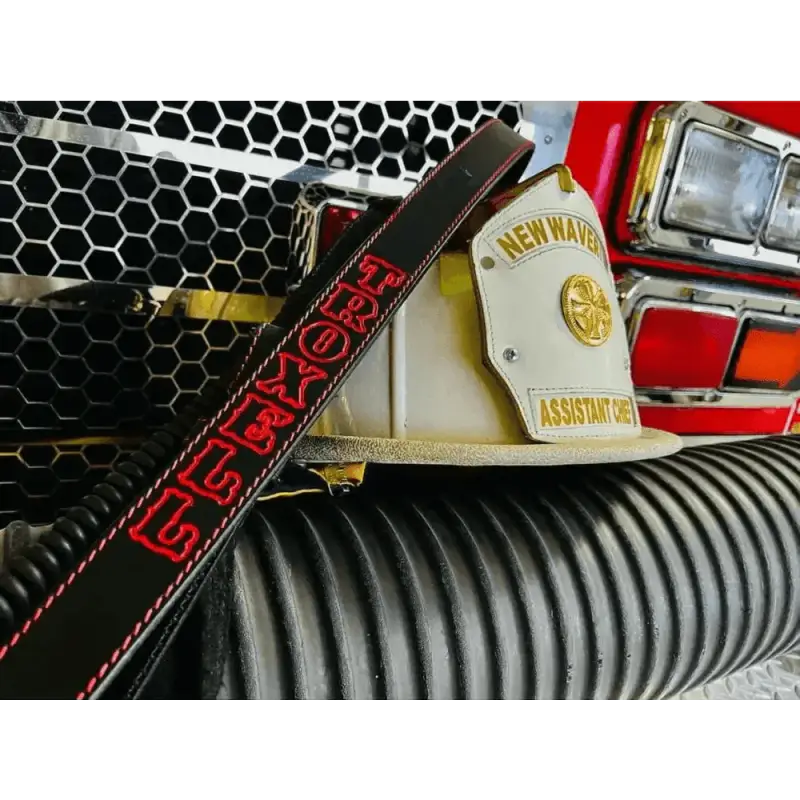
pixel 510 352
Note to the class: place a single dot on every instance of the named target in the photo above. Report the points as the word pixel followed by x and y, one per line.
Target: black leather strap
pixel 86 631
pixel 136 676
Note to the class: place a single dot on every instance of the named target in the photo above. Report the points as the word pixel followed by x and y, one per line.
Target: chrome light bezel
pixel 653 187
pixel 637 292
pixel 306 224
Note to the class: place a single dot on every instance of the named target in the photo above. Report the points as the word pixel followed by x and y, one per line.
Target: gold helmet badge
pixel 586 310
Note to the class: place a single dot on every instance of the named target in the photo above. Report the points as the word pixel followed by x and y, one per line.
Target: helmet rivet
pixel 487 262
pixel 511 354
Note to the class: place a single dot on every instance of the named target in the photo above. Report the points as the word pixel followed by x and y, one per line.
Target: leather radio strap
pixel 136 573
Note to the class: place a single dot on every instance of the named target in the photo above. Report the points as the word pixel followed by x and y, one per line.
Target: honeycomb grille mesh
pixel 75 211
pixel 81 373
pixel 87 213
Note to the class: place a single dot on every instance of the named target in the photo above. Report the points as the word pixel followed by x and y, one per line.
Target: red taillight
pixel 333 221
pixel 768 356
pixel 681 348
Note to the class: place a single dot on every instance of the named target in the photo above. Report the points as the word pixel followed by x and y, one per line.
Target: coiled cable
pixel 631 581
pixel 28 577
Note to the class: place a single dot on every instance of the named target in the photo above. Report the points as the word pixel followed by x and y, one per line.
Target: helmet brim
pixel 650 443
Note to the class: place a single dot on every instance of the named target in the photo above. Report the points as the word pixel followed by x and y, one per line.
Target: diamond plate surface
pixel 778 679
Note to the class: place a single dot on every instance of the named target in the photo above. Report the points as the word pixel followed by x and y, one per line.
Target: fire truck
pixel 567 468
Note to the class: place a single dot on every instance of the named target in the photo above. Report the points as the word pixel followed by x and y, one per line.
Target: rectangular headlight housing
pixel 722 184
pixel 783 231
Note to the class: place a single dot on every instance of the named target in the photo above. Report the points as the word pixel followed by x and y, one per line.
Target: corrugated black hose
pixel 632 581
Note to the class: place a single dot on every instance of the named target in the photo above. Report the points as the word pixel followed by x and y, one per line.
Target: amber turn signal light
pixel 767 356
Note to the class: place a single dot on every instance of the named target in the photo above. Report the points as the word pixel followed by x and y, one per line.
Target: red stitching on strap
pixel 141 625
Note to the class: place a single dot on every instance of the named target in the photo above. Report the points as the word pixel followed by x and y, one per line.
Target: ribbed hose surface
pixel 633 581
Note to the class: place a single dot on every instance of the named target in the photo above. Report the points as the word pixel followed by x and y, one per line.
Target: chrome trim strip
pixel 700 441
pixel 771 317
pixel 647 224
pixel 636 285
pixel 202 155
pixel 118 298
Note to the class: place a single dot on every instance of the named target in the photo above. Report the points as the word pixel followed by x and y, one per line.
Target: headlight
pixel 783 230
pixel 713 186
pixel 722 184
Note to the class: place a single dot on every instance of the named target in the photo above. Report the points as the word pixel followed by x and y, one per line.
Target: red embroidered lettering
pixel 377 274
pixel 297 373
pixel 253 423
pixel 324 342
pixel 350 306
pixel 207 475
pixel 161 529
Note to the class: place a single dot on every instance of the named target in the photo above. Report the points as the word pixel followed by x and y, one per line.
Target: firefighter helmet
pixel 512 350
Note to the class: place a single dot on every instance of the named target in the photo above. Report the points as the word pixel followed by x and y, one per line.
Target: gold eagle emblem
pixel 586 310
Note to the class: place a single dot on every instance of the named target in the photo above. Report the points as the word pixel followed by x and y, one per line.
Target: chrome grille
pixel 104 220
pixel 81 373
pixel 86 213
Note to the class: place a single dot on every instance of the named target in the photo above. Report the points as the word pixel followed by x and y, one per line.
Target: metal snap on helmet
pixel 511 351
